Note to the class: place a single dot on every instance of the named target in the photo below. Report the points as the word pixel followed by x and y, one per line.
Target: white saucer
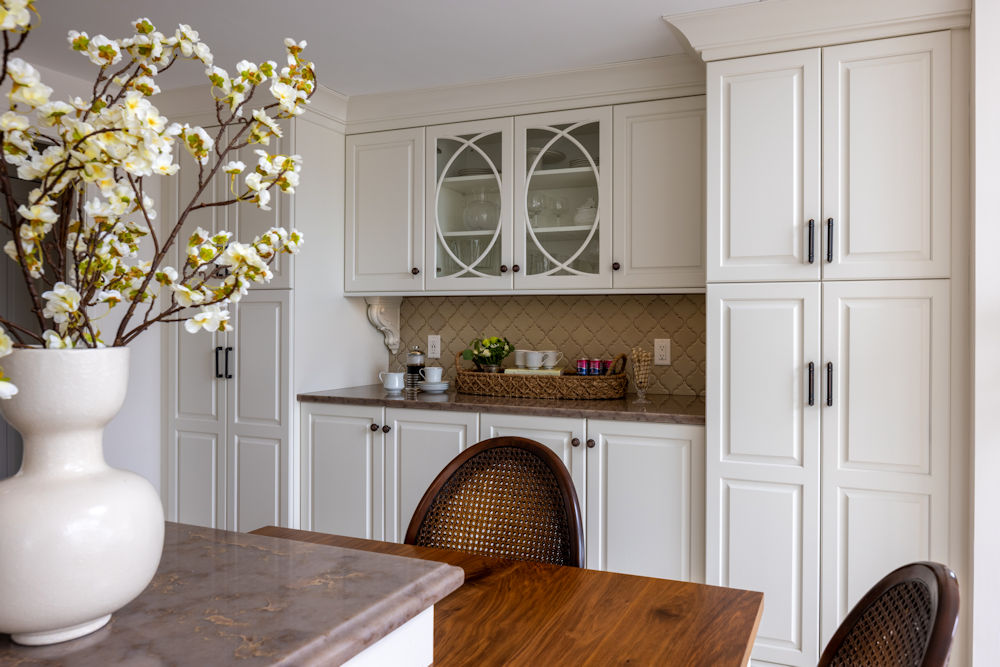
pixel 433 387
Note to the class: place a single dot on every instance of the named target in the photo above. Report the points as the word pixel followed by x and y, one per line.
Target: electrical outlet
pixel 434 346
pixel 661 351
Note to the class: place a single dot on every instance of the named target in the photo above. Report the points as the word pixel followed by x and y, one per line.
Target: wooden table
pixel 517 613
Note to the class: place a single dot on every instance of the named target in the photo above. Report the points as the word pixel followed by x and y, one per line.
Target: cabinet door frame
pixel 786 256
pixel 782 476
pixel 463 426
pixel 688 442
pixel 504 281
pixel 373 475
pixel 857 481
pixel 601 279
pixel 930 254
pixel 403 225
pixel 640 187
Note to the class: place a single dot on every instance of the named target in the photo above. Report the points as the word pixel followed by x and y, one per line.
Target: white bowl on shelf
pixel 585 216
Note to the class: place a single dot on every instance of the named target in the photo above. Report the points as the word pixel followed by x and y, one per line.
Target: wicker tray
pixel 607 386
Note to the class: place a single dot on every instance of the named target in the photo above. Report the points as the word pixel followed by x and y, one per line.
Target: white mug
pixel 431 373
pixel 519 357
pixel 391 381
pixel 532 359
pixel 551 357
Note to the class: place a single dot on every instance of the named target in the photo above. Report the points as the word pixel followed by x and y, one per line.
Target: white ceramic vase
pixel 78 539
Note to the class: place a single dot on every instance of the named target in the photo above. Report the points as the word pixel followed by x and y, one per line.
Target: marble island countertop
pixel 221 598
pixel 661 408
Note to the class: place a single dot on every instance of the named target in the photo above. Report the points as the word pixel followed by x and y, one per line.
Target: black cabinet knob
pixel 616 266
pixel 503 268
pixel 575 442
pixel 515 268
pixel 414 270
pixel 386 428
pixel 374 427
pixel 591 444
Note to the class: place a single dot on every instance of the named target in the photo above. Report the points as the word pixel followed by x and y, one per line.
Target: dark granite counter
pixel 662 408
pixel 221 598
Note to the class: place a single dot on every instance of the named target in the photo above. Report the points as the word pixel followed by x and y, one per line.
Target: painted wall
pixel 986 334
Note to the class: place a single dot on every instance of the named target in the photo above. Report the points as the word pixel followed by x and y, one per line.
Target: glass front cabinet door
pixel 470 205
pixel 562 195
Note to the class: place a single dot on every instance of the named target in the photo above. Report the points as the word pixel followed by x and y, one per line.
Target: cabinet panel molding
pixel 256 483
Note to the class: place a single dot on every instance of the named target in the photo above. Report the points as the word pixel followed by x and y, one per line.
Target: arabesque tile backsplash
pixel 577 325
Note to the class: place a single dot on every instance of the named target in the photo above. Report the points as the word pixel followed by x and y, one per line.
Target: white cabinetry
pixel 364 469
pixel 640 487
pixel 228 421
pixel 829 411
pixel 659 203
pixel 525 203
pixel 881 113
pixel 384 238
pixel 858 408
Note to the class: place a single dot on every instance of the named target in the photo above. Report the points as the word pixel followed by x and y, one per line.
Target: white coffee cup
pixel 519 358
pixel 431 373
pixel 532 359
pixel 551 357
pixel 391 381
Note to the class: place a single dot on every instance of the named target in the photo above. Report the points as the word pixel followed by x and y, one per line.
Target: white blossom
pixel 210 318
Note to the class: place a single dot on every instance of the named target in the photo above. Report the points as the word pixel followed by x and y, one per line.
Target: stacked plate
pixel 433 387
pixel 582 162
pixel 550 156
pixel 474 171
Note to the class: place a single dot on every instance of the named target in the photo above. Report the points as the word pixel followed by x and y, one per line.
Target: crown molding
pixel 633 81
pixel 783 25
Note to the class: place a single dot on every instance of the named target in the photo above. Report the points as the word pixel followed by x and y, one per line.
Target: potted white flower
pixel 87 243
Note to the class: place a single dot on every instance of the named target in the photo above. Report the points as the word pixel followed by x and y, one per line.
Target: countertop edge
pixel 455 402
pixel 366 629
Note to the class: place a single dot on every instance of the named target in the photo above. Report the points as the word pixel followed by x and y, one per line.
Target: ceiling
pixel 372 46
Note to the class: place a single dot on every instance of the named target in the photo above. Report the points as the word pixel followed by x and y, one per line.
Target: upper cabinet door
pixel 763 167
pixel 659 207
pixel 887 158
pixel 470 201
pixel 384 244
pixel 562 231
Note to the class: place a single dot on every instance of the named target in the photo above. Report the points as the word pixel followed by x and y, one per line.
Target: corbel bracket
pixel 383 313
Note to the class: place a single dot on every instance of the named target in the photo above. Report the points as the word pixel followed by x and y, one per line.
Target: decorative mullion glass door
pixel 562 213
pixel 470 203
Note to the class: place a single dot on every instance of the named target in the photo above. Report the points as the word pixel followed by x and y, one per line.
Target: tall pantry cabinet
pixel 830 228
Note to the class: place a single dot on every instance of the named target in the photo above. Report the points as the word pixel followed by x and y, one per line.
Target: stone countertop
pixel 661 408
pixel 222 598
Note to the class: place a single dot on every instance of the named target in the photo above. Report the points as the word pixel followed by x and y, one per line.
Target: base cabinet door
pixel 228 418
pixel 762 458
pixel 886 436
pixel 564 436
pixel 418 445
pixel 645 485
pixel 342 458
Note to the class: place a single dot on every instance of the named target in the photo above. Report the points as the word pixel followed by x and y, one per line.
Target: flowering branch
pixel 79 256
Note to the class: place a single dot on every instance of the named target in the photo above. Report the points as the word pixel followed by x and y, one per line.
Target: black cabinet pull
pixel 229 376
pixel 218 373
pixel 812 383
pixel 503 268
pixel 373 427
pixel 812 244
pixel 829 239
pixel 515 268
pixel 575 442
pixel 829 383
pixel 386 428
pixel 591 444
pixel 615 266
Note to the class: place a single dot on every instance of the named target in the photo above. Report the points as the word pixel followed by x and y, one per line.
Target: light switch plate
pixel 661 351
pixel 434 346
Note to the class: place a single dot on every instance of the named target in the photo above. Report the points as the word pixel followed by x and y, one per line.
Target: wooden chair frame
pixel 570 501
pixel 944 598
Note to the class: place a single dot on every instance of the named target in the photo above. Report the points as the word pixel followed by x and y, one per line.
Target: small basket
pixel 578 387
